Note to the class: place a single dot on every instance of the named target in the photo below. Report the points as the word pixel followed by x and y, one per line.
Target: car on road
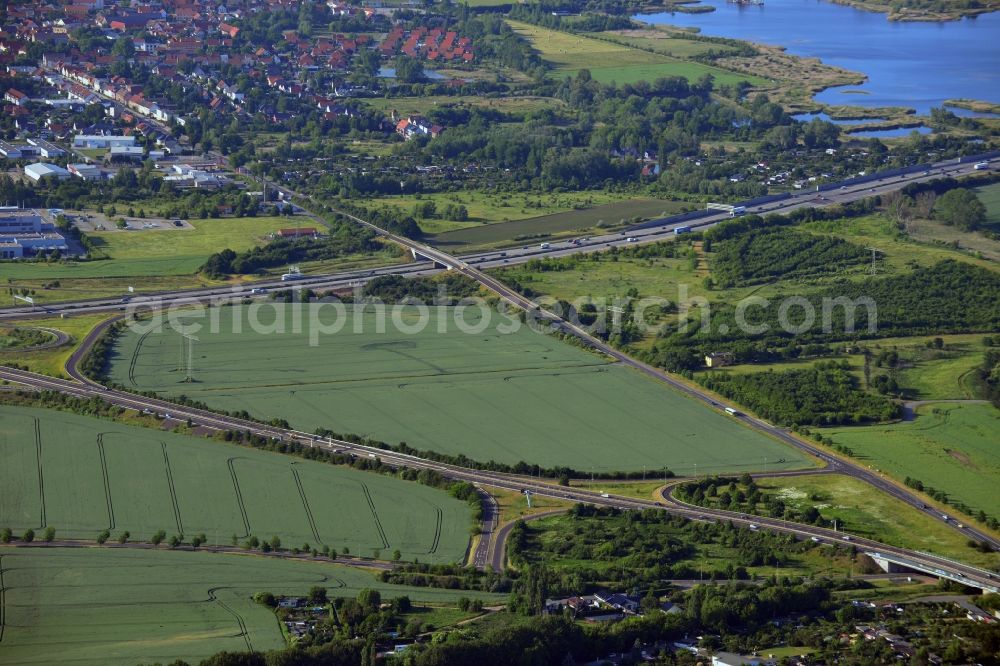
pixel 752 526
pixel 178 223
pixel 846 537
pixel 814 539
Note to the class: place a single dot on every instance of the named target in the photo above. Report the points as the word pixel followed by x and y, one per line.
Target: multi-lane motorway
pixel 472 266
pixel 513 482
pixel 490 259
pixel 472 269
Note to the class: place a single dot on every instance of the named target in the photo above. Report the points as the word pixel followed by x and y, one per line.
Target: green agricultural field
pixel 125 606
pixel 615 62
pixel 573 222
pixel 81 476
pixel 488 394
pixel 952 447
pixel 862 510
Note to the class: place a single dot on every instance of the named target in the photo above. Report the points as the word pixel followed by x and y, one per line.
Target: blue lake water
pixel 916 65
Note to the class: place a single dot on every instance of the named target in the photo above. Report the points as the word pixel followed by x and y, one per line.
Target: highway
pixel 512 482
pixel 833 463
pixel 482 260
pixel 472 266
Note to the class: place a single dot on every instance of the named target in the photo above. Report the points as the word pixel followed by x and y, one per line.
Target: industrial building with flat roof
pixel 24 233
pixel 40 170
pixel 102 141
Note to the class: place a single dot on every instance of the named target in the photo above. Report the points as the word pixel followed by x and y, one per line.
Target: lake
pixel 916 65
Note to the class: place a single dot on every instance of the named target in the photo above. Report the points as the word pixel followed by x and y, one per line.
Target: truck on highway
pixel 545 246
pixel 737 211
pixel 981 166
pixel 732 412
pixel 681 230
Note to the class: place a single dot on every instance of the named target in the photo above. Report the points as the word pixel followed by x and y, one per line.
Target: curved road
pixel 833 463
pixel 513 482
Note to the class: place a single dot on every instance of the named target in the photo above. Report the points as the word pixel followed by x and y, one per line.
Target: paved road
pixel 498 555
pixel 211 420
pixel 491 515
pixel 494 258
pixel 833 463
pixel 465 266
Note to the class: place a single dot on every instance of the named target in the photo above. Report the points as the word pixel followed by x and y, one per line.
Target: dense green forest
pixel 825 394
pixel 762 255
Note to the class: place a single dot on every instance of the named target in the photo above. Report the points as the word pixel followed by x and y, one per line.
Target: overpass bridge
pixel 894 563
pixel 435 257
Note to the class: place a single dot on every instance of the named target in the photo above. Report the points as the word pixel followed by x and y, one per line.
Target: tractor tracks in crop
pixel 107 480
pixel 236 616
pixel 172 488
pixel 43 519
pixel 378 523
pixel 305 504
pixel 239 497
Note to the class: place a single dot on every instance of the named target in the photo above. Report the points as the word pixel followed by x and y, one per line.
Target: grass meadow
pixel 121 606
pixel 82 475
pixel 612 61
pixel 156 252
pixel 864 511
pixel 53 361
pixel 952 447
pixel 488 394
